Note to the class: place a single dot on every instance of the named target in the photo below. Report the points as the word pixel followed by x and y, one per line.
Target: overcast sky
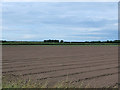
pixel 59 20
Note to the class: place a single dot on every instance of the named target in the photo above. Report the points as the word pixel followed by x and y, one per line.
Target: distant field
pixel 95 66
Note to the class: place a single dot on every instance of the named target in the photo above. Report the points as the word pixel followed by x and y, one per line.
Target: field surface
pixel 94 66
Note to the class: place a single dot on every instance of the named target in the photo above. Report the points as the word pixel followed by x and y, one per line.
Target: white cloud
pixel 84 29
pixel 110 27
pixel 115 24
pixel 28 36
pixel 99 18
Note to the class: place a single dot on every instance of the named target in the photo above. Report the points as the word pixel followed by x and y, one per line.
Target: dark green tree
pixel 61 41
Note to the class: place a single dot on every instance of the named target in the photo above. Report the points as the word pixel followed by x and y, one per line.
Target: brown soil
pixel 96 66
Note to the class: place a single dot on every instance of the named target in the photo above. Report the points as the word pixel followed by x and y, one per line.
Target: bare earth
pixel 96 66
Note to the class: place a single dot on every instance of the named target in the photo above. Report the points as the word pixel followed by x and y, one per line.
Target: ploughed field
pixel 94 66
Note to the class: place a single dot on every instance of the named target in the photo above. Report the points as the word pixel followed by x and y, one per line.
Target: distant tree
pixel 110 41
pixel 116 41
pixel 107 41
pixel 86 41
pixel 61 41
pixel 3 41
pixel 51 41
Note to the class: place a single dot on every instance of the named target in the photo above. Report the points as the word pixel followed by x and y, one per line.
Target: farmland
pixel 93 66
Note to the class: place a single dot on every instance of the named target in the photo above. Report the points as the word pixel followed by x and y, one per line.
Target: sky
pixel 68 21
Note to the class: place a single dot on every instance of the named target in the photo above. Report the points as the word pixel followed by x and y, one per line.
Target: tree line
pixel 62 41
